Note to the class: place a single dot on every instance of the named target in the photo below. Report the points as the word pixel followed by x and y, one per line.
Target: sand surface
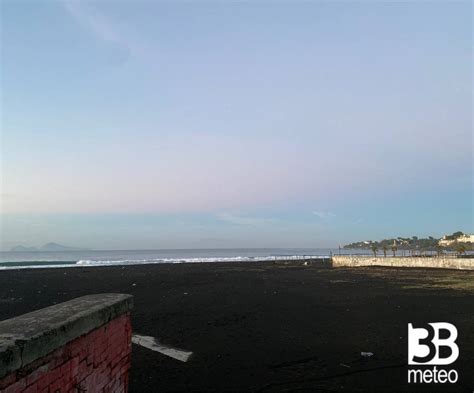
pixel 265 328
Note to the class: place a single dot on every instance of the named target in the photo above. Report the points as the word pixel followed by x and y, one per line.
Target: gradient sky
pixel 233 124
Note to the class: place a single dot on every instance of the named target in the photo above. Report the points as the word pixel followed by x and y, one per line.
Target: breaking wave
pixel 119 262
pixel 194 260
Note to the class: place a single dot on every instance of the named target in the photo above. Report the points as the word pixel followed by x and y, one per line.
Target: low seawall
pixel 83 345
pixel 305 261
pixel 419 262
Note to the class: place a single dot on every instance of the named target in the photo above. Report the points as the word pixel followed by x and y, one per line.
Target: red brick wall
pixel 96 362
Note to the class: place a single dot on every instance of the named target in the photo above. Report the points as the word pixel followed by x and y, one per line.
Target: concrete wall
pixel 79 346
pixel 420 262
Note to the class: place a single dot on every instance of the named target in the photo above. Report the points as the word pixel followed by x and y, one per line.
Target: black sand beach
pixel 265 328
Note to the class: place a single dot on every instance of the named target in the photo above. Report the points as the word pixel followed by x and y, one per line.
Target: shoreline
pixel 335 261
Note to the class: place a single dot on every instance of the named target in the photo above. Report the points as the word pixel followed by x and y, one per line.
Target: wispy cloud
pixel 90 19
pixel 323 214
pixel 103 28
pixel 244 220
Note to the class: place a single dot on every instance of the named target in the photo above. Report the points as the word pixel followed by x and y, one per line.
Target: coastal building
pixel 447 240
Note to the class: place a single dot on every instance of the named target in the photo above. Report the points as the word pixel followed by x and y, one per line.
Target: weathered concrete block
pixel 51 347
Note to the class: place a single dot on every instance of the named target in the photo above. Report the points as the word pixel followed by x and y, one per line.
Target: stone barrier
pixel 417 262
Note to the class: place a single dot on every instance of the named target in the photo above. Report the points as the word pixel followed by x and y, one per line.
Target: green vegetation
pixel 454 236
pixel 373 247
pixel 439 250
pixel 401 243
pixel 394 248
pixel 460 248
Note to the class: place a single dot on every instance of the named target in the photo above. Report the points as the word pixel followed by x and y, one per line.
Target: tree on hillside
pixel 454 236
pixel 373 247
pixel 460 248
pixel 394 247
pixel 439 249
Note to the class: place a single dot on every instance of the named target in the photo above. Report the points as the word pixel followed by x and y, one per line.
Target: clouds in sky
pixel 122 41
pixel 246 220
pixel 92 20
pixel 324 215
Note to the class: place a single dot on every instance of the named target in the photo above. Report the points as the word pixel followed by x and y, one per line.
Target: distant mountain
pixel 23 249
pixel 58 247
pixel 47 247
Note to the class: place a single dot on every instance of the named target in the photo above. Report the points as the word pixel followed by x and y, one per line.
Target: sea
pixel 46 259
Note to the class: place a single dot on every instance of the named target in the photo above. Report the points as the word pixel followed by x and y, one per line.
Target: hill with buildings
pixel 410 243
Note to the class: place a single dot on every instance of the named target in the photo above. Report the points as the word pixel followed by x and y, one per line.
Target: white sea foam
pixel 89 262
pixel 13 267
pixel 118 262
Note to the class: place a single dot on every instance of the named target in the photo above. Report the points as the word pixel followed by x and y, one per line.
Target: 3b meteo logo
pixel 433 344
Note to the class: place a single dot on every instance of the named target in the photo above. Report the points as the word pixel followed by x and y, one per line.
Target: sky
pixel 225 124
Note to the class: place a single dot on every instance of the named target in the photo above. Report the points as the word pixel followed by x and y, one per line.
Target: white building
pixel 462 239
